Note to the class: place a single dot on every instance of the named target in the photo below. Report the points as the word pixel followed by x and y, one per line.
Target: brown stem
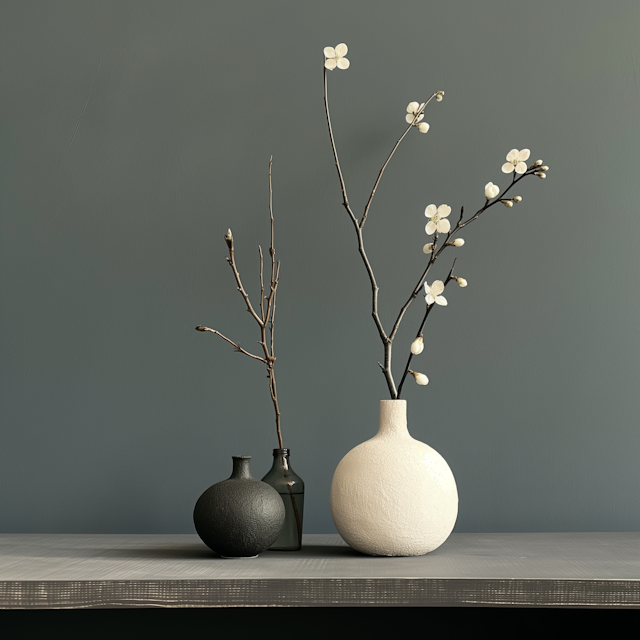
pixel 236 346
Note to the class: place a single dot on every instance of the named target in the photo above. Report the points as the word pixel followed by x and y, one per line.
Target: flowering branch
pixel 438 224
pixel 266 318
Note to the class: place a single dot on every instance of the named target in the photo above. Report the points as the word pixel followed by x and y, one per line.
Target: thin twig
pixel 236 273
pixel 236 346
pixel 363 254
pixel 261 285
pixel 384 166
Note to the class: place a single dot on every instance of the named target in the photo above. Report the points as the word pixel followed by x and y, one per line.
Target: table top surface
pixel 475 559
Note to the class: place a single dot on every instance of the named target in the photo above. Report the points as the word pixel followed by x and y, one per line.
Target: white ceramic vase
pixel 393 495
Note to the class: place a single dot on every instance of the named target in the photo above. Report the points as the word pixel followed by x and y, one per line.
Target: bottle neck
pixel 393 418
pixel 281 458
pixel 241 468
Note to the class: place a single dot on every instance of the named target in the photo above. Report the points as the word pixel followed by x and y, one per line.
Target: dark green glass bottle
pixel 291 489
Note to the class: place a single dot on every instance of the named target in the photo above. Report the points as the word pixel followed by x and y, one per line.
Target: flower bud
pixel 417 346
pixel 540 174
pixel 428 248
pixel 458 242
pixel 544 168
pixel 508 203
pixel 491 190
pixel 420 378
pixel 229 239
pixel 439 96
pixel 461 281
pixel 538 163
pixel 518 199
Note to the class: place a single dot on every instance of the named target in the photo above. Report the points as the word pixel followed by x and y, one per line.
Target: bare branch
pixel 243 293
pixel 261 285
pixel 231 342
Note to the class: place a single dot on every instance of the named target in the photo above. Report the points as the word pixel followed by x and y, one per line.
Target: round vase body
pixel 393 495
pixel 239 517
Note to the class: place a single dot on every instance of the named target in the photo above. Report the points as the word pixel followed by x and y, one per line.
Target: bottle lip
pixel 287 451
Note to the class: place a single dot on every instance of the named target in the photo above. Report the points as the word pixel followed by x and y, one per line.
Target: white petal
pixel 342 49
pixel 431 227
pixel 507 167
pixel 512 155
pixel 423 127
pixel 437 287
pixel 420 117
pixel 329 52
pixel 343 63
pixel 430 211
pixel 412 107
pixel 489 184
pixel 444 210
pixel 441 301
pixel 524 154
pixel 409 117
pixel 521 167
pixel 330 63
pixel 426 287
pixel 443 226
pixel 429 298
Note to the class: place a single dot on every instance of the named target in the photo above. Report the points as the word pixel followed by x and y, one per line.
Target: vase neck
pixel 393 418
pixel 241 468
pixel 281 458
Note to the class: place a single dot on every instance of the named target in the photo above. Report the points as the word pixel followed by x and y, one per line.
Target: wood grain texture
pixel 97 571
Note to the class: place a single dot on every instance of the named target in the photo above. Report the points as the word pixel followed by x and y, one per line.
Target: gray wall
pixel 132 134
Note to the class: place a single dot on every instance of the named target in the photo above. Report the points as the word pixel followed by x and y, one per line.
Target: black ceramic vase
pixel 239 517
pixel 291 489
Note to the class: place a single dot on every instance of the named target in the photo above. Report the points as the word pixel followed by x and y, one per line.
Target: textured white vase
pixel 393 495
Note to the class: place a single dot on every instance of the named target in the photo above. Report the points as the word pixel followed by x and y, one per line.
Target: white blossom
pixel 412 109
pixel 491 190
pixel 433 293
pixel 417 346
pixel 437 217
pixel 516 161
pixel 420 378
pixel 336 57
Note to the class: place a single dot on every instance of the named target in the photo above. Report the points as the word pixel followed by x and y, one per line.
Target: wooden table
pixel 506 570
